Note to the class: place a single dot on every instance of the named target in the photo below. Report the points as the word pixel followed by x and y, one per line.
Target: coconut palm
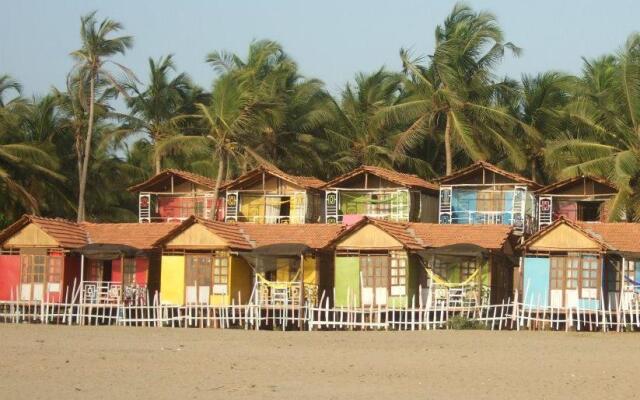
pixel 541 105
pixel 153 109
pixel 453 95
pixel 92 58
pixel 226 124
pixel 358 133
pixel 606 139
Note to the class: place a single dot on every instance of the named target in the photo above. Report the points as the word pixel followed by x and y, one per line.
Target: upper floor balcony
pixel 175 195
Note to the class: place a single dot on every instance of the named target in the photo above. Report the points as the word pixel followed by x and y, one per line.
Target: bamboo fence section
pixel 510 314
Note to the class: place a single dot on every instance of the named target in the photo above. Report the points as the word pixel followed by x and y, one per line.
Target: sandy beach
pixel 54 362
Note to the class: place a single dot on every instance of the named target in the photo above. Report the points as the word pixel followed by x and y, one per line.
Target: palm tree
pixel 295 109
pixel 454 95
pixel 226 124
pixel 541 106
pixel 153 109
pixel 7 83
pixel 606 139
pixel 359 133
pixel 91 60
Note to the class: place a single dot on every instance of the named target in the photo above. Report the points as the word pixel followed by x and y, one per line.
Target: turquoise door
pixel 536 280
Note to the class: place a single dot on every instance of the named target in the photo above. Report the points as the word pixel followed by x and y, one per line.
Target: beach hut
pixel 267 195
pixel 383 263
pixel 571 264
pixel 466 264
pixel 175 195
pixel 485 194
pixel 380 193
pixel 121 262
pixel 375 264
pixel 291 262
pixel 37 259
pixel 582 198
pixel 201 265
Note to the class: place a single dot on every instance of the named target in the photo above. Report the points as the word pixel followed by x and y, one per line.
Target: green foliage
pixel 460 322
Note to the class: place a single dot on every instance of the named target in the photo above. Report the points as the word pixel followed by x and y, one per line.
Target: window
pixel 375 270
pixel 398 270
pixel 557 273
pixel 198 270
pixel 55 270
pixel 129 271
pixel 220 269
pixel 454 269
pixel 33 268
pixel 572 268
pixel 576 272
pixel 589 210
pixel 589 277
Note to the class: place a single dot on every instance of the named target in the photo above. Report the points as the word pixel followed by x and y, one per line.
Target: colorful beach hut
pixel 380 193
pixel 121 262
pixel 466 264
pixel 37 259
pixel 291 262
pixel 175 195
pixel 376 264
pixel 267 195
pixel 570 264
pixel 485 194
pixel 581 198
pixel 201 264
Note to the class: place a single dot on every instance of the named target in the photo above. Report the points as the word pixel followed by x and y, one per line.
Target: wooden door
pixel 33 276
pixel 198 278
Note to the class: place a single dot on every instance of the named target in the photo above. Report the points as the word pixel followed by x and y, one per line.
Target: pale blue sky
pixel 330 39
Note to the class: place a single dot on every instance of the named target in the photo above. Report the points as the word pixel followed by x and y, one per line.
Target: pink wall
pixel 116 271
pixel 142 266
pixel 9 276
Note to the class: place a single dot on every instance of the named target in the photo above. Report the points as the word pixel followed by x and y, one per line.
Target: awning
pixel 99 251
pixel 264 258
pixel 458 249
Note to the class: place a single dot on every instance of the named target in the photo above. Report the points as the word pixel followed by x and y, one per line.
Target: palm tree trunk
pixel 157 161
pixel 534 171
pixel 87 152
pixel 216 189
pixel 447 147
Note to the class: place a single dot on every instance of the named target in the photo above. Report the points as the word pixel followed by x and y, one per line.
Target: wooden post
pixel 303 298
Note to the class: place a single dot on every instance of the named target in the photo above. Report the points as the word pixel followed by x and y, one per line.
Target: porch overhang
pixel 104 251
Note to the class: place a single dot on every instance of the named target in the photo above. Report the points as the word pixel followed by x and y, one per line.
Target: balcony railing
pixel 482 217
pixel 106 292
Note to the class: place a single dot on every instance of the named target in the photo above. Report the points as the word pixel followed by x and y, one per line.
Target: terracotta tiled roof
pixel 562 221
pixel 230 232
pixel 188 176
pixel 621 236
pixel 400 178
pixel 490 167
pixel 566 182
pixel 139 235
pixel 491 237
pixel 316 236
pixel 68 234
pixel 396 230
pixel 307 182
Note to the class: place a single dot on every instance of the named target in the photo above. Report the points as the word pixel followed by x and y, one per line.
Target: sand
pixel 60 362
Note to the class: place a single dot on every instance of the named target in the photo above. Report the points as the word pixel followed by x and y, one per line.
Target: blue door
pixel 536 280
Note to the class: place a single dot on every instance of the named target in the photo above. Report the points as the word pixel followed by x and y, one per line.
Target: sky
pixel 330 40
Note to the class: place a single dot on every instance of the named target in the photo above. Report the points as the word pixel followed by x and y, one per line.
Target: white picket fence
pixel 509 314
